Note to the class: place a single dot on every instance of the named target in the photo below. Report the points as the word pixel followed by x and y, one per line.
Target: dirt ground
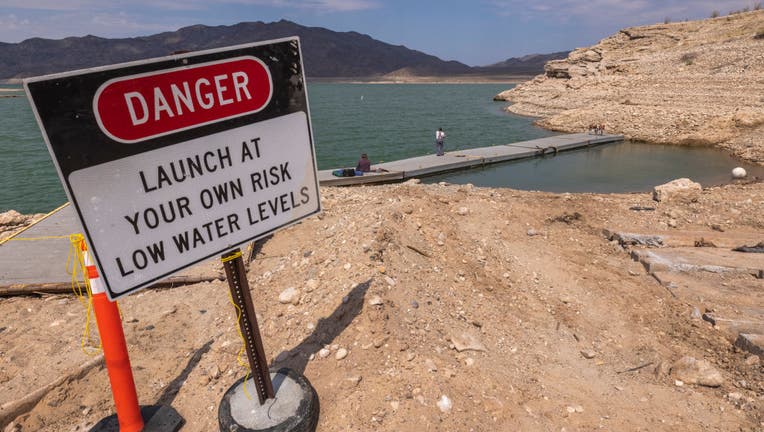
pixel 564 330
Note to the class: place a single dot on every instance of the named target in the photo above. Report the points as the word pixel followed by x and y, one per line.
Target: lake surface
pixel 610 168
pixel 391 122
pixel 29 180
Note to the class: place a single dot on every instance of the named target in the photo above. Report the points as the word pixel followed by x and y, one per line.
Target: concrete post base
pixel 294 409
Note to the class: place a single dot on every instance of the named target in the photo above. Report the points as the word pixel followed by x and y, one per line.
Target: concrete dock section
pixel 38 255
pixel 422 166
pixel 723 286
pixel 38 259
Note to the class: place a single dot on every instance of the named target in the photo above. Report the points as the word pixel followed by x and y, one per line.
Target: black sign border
pixel 63 105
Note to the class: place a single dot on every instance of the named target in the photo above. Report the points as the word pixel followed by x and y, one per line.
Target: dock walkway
pixel 422 166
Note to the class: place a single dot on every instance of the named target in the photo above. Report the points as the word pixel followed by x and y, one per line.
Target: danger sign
pixel 174 160
pixel 137 108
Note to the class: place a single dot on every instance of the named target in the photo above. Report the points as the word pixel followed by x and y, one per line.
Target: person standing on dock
pixel 440 137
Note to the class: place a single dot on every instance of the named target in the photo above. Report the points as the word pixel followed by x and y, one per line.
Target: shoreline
pixel 384 79
pixel 11 93
pixel 449 79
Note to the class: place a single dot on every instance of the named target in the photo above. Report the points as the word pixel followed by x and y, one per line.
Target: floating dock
pixel 423 166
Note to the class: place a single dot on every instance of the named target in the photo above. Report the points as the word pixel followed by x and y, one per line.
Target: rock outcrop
pixel 13 221
pixel 687 83
pixel 682 189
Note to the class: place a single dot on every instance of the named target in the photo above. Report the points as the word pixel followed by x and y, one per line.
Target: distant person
pixel 364 164
pixel 440 137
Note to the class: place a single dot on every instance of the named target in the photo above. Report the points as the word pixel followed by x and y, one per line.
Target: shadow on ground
pixel 172 389
pixel 325 332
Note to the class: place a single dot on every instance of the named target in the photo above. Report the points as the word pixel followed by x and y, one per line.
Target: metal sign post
pixel 242 299
pixel 293 405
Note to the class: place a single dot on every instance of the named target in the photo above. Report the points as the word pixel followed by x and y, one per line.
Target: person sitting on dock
pixel 440 136
pixel 364 164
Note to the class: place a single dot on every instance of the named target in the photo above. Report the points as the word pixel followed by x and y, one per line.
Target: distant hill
pixel 327 53
pixel 530 64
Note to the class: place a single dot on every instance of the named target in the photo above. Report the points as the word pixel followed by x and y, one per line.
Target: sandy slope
pixel 396 275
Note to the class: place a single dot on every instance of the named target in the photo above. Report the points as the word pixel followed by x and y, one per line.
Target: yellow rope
pixel 40 238
pixel 75 263
pixel 13 237
pixel 231 257
pixel 243 342
pixel 75 267
pixel 239 360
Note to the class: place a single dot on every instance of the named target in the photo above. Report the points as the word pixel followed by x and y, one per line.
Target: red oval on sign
pixel 138 107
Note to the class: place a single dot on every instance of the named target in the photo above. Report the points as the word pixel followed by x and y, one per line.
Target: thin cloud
pixel 12 22
pixel 178 5
pixel 65 24
pixel 622 12
pixel 315 5
pixel 126 24
pixel 340 5
pixel 130 18
pixel 53 5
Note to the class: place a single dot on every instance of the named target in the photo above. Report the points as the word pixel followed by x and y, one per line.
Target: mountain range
pixel 531 64
pixel 326 53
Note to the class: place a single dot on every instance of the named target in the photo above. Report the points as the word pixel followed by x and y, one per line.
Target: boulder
pixel 290 295
pixel 592 56
pixel 753 343
pixel 692 371
pixel 682 189
pixel 584 55
pixel 12 218
pixel 467 341
pixel 748 118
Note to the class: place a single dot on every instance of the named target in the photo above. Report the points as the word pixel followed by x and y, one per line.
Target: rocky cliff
pixel 687 83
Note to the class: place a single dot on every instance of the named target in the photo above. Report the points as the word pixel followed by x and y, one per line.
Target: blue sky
pixel 475 32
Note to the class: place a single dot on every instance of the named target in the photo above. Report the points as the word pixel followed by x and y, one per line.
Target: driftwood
pixel 11 410
pixel 634 369
pixel 66 287
pixel 419 251
pixel 758 248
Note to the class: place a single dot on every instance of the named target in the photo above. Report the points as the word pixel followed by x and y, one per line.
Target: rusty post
pixel 237 282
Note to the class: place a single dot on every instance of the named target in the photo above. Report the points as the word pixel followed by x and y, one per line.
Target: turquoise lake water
pixel 391 122
pixel 610 168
